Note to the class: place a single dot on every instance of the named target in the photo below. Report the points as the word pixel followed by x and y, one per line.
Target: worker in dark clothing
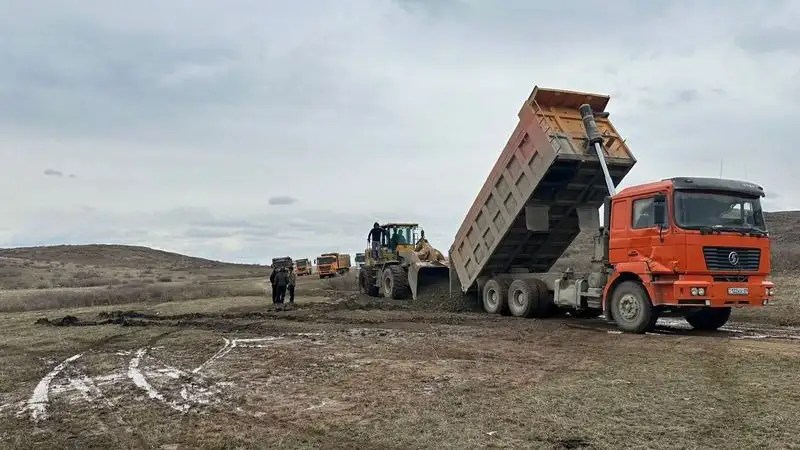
pixel 374 238
pixel 272 284
pixel 290 287
pixel 281 281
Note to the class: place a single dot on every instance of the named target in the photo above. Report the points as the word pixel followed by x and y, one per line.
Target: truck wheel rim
pixel 629 307
pixel 520 299
pixel 492 299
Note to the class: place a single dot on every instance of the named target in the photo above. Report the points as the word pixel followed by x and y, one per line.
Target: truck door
pixel 646 238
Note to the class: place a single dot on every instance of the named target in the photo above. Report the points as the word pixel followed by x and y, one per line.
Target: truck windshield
pixel 326 260
pixel 718 211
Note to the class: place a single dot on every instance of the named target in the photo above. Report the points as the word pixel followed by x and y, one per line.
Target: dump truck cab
pixel 692 243
pixel 302 267
pixel 332 264
pixel 327 265
pixel 360 259
pixel 281 262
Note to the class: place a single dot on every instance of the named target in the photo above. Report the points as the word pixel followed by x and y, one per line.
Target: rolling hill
pixel 98 265
pixel 71 266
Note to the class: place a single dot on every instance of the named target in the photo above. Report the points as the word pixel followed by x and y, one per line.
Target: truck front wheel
pixel 495 297
pixel 631 308
pixel 708 319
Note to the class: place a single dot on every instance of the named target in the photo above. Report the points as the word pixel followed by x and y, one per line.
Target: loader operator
pixel 374 237
pixel 397 239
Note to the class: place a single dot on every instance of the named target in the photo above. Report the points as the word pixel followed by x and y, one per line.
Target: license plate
pixel 738 291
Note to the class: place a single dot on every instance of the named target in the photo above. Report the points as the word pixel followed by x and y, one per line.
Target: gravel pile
pixel 434 295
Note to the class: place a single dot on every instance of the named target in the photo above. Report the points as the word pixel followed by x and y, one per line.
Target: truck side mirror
pixel 660 210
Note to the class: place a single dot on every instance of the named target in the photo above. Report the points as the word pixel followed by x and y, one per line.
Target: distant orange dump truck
pixel 332 264
pixel 302 267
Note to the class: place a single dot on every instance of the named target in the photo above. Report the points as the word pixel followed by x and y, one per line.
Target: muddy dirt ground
pixel 343 372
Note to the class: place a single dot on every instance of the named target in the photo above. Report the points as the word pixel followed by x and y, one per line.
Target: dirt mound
pixel 435 295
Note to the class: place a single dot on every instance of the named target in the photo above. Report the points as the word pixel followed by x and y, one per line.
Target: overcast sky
pixel 243 130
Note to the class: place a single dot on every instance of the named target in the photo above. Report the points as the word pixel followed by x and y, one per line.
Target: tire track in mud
pixel 399 314
pixel 194 389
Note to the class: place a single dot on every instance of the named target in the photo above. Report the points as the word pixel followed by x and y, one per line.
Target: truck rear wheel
pixel 708 319
pixel 395 283
pixel 495 294
pixel 366 282
pixel 545 305
pixel 631 308
pixel 523 298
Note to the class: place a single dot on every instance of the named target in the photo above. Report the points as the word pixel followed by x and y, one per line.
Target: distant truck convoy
pixel 281 262
pixel 303 267
pixel 687 246
pixel 360 259
pixel 332 264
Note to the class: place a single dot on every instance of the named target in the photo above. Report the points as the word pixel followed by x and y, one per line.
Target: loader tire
pixel 708 319
pixel 631 308
pixel 495 296
pixel 366 282
pixel 395 283
pixel 523 298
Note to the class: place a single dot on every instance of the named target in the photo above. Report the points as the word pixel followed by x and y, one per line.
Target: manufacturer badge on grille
pixel 733 258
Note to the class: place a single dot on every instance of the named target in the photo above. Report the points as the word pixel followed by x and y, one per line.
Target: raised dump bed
pixel 527 213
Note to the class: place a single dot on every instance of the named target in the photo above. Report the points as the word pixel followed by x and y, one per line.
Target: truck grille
pixel 719 258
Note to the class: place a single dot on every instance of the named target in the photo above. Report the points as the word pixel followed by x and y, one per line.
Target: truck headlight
pixel 701 292
pixel 770 291
pixel 694 291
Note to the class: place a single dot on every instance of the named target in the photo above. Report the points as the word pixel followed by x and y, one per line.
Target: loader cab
pixel 398 241
pixel 400 238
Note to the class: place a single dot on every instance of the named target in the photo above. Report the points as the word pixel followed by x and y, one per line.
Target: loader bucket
pixel 425 274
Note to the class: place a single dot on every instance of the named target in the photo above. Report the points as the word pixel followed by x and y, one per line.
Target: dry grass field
pixel 165 351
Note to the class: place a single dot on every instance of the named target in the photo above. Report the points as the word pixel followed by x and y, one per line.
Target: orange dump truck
pixel 302 267
pixel 685 246
pixel 332 264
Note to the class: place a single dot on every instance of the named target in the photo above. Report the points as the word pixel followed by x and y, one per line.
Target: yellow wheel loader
pixel 404 263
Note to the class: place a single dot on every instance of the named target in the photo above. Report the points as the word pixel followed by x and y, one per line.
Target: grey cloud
pixel 686 95
pixel 53 173
pixel 282 200
pixel 762 40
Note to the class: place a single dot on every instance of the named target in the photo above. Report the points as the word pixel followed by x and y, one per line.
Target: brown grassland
pixel 128 347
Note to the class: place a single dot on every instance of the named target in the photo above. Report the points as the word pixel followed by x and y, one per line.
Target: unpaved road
pixel 352 373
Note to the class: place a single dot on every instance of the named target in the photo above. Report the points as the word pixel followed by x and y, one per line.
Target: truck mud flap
pixel 422 276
